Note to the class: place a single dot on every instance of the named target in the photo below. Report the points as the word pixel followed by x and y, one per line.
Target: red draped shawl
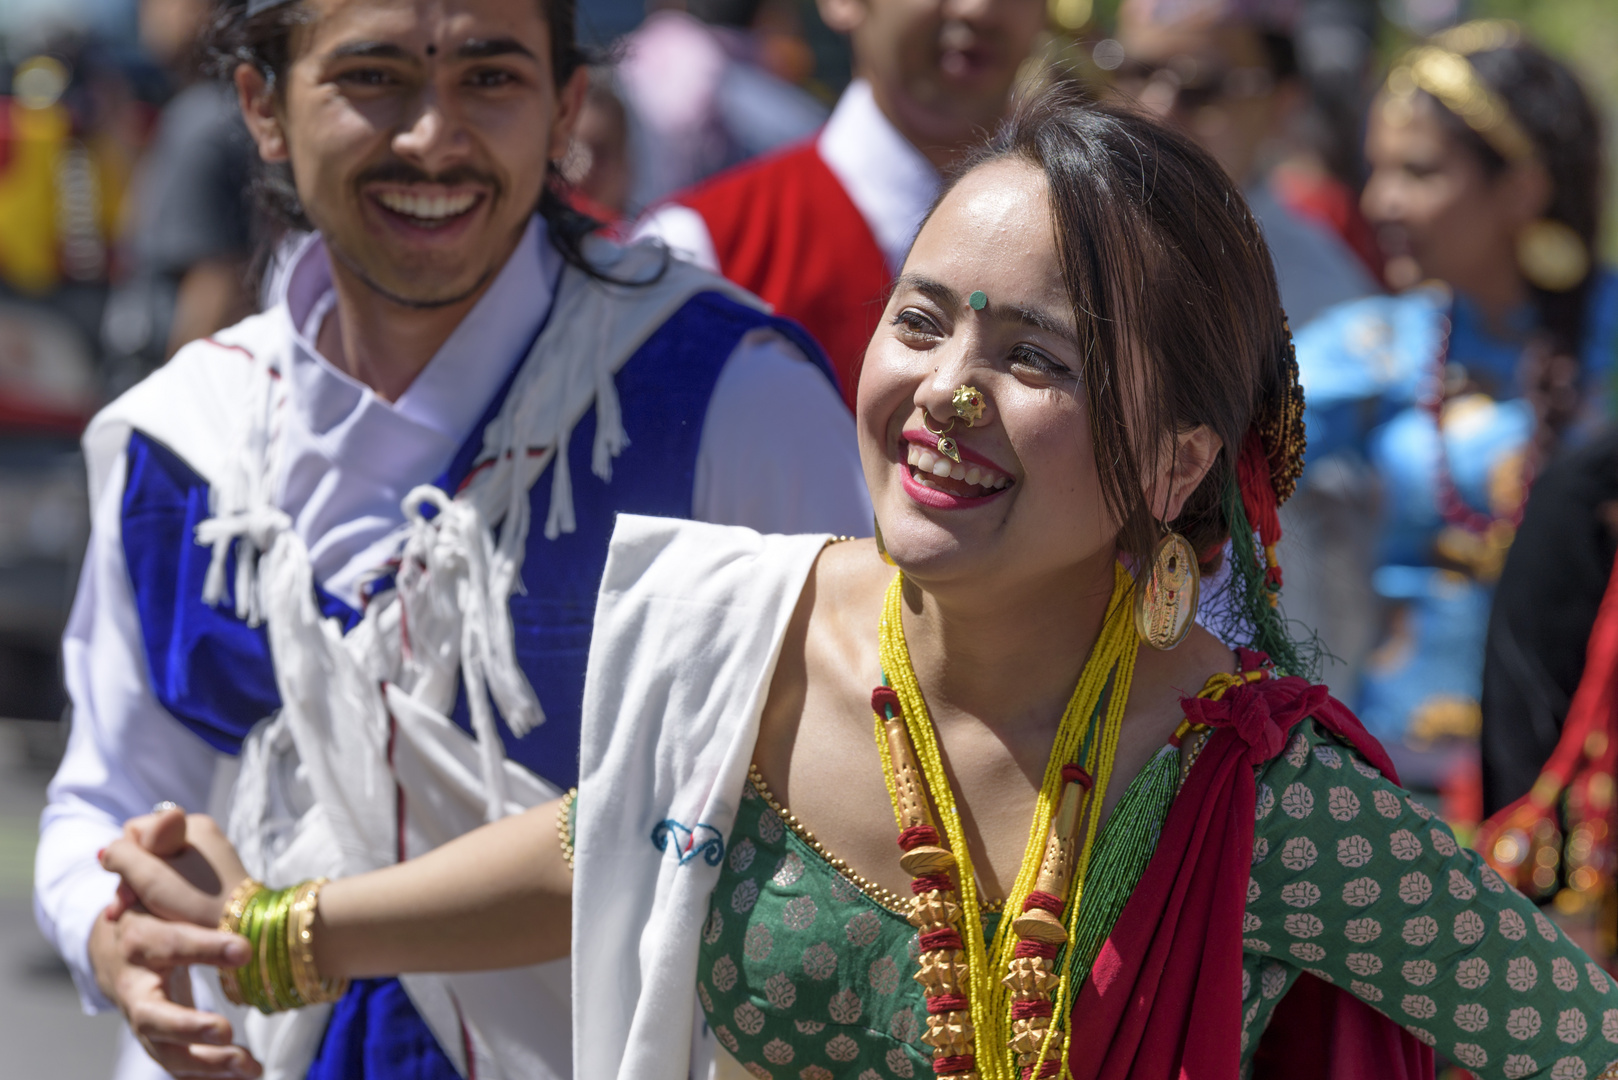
pixel 1164 999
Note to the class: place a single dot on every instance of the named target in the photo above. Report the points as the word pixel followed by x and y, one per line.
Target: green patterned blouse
pixel 805 967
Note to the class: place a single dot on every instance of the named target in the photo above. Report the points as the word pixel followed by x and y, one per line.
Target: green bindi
pixel 979 300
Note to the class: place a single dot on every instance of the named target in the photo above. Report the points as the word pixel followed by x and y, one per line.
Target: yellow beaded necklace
pixel 994 1045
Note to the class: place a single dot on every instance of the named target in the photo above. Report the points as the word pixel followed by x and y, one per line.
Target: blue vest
pixel 214 674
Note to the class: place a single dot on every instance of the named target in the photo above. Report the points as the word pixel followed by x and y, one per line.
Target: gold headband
pixel 1441 69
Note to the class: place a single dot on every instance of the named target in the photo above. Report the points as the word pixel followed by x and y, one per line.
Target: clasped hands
pixel 178 873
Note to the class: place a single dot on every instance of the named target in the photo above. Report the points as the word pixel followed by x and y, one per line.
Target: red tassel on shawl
pixel 1258 499
pixel 1163 1000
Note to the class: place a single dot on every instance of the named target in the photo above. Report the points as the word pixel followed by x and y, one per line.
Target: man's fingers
pixel 156 1019
pixel 150 943
pixel 123 899
pixel 161 889
pixel 201 1060
pixel 162 833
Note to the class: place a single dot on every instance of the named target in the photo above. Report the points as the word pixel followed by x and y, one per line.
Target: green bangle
pixel 269 981
pixel 278 976
pixel 249 982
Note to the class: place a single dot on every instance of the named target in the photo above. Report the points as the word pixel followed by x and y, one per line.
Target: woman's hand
pixel 179 868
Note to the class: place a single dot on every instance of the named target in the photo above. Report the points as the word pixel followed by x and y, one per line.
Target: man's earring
pixel 1166 595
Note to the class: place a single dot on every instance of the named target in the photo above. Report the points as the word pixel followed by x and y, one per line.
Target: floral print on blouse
pixel 804 968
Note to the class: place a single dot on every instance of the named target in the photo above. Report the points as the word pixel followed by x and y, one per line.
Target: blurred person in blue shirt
pixel 1452 396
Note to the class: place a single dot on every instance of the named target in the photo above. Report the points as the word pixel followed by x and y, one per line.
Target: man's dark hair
pixel 264 40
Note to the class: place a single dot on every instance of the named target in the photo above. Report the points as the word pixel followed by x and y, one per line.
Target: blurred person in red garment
pixel 819 230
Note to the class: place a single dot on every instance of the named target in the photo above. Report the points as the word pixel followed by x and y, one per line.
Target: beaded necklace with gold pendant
pixel 981 1027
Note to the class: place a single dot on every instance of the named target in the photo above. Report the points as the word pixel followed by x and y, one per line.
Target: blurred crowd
pixel 1436 228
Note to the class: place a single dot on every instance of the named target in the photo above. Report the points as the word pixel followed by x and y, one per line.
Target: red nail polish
pixel 100 853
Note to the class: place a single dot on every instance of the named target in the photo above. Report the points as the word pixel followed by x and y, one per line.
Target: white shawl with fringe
pixel 315 795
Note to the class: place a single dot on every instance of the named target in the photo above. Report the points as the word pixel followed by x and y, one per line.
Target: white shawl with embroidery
pixel 688 628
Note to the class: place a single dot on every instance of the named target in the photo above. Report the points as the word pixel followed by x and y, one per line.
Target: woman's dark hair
pixel 264 40
pixel 1172 290
pixel 1546 100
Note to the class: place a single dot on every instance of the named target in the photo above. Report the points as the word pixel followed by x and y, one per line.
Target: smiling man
pixel 820 230
pixel 346 553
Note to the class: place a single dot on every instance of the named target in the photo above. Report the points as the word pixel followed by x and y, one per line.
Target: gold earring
pixel 1551 255
pixel 969 403
pixel 881 548
pixel 946 445
pixel 1166 600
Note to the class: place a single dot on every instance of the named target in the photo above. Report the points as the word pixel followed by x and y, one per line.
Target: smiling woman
pixel 1101 870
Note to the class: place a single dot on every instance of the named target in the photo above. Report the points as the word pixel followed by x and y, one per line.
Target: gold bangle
pixel 230 922
pixel 564 824
pixel 306 977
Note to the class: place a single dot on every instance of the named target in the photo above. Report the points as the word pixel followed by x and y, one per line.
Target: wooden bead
pixel 933 910
pixel 908 783
pixel 1061 847
pixel 941 972
pixel 1028 1034
pixel 927 859
pixel 1041 926
pixel 1030 977
pixel 949 1033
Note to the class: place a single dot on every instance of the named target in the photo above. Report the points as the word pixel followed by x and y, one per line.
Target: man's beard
pixel 413 303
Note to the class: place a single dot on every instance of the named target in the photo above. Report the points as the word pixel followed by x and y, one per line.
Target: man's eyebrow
pixel 948 299
pixel 371 50
pixel 472 49
pixel 484 48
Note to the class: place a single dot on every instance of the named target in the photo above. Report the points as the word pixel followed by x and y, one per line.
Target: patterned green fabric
pixel 1362 886
pixel 803 976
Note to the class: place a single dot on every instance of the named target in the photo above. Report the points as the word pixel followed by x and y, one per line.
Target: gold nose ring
pixel 946 445
pixel 969 403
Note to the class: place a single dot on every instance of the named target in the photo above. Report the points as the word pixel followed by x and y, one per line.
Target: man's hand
pixel 176 867
pixel 140 961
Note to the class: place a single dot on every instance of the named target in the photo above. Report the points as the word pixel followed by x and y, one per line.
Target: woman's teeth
pixel 928 461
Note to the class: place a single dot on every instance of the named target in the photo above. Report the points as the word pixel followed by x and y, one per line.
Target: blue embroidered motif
pixel 712 847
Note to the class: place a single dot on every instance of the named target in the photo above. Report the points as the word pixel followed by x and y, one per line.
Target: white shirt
pixel 777 453
pixel 888 180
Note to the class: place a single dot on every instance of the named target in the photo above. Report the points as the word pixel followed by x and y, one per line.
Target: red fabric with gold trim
pixel 784 228
pixel 1163 1000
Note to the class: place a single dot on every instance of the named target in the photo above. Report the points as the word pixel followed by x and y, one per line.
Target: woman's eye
pixel 913 323
pixel 1044 363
